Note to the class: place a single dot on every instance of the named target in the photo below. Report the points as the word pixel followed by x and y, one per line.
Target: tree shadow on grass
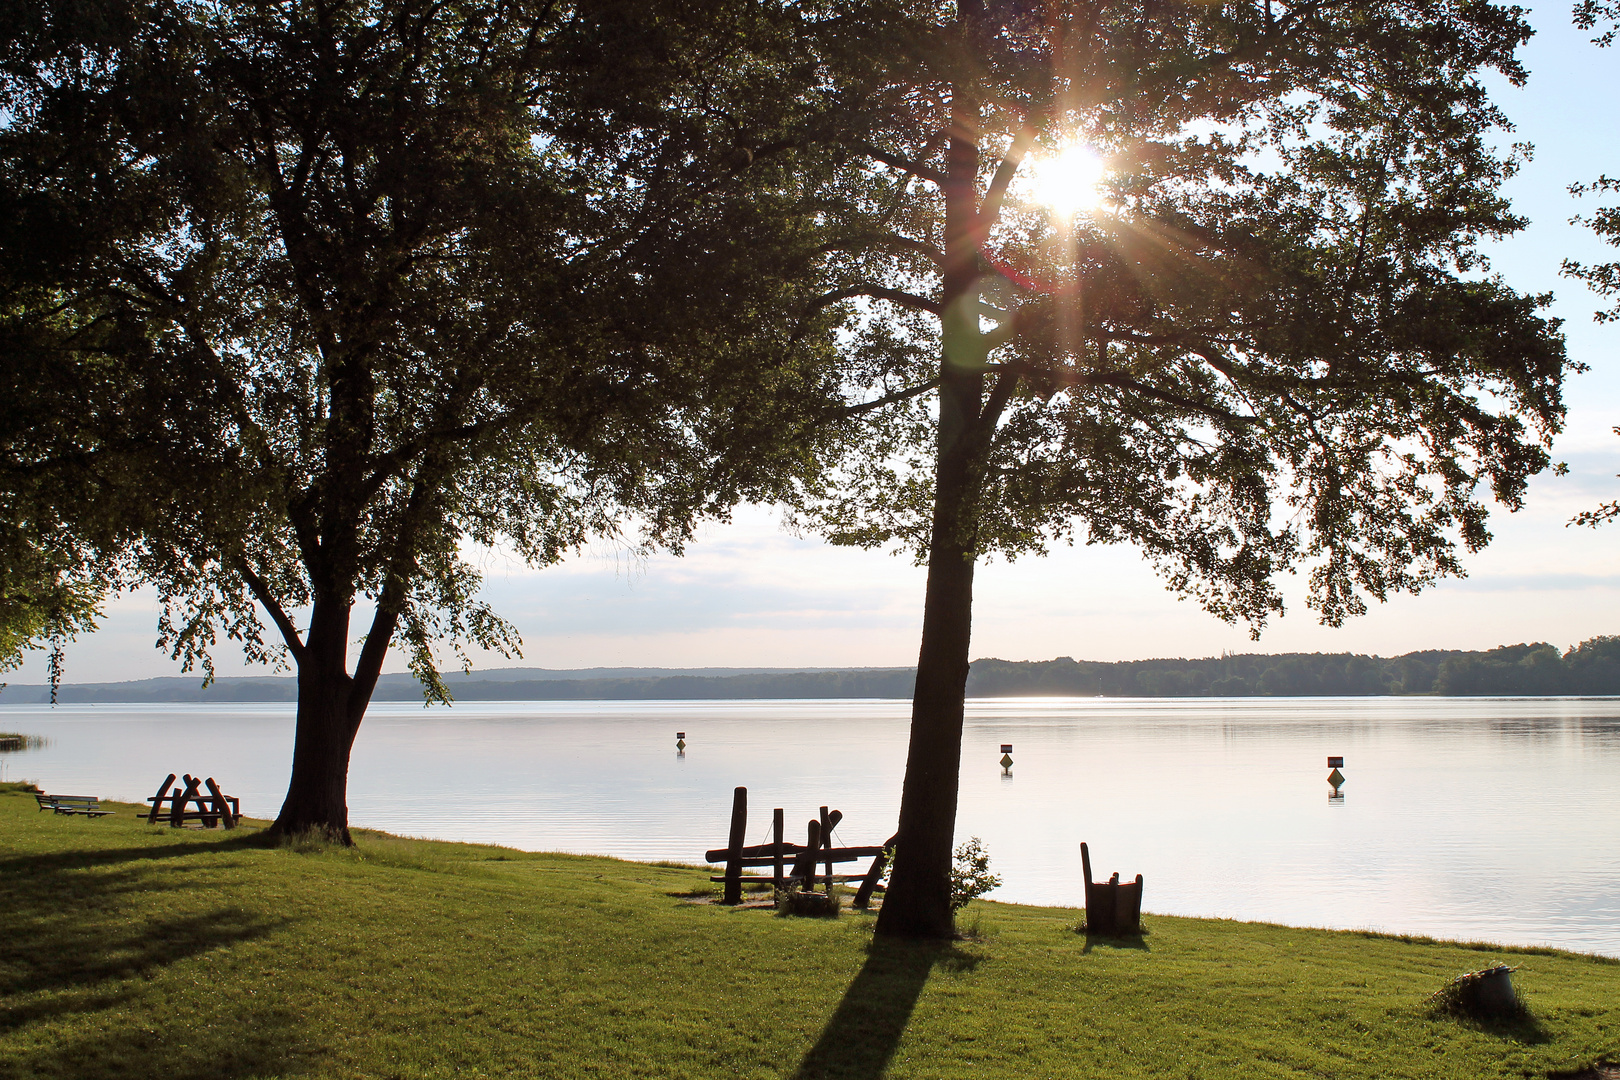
pixel 25 865
pixel 1523 1027
pixel 87 939
pixel 865 1029
pixel 1130 941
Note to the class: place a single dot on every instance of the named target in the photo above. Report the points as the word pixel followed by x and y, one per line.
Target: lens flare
pixel 1070 180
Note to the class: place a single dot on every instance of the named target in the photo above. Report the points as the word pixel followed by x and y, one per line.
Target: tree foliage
pixel 1601 278
pixel 1277 349
pixel 304 299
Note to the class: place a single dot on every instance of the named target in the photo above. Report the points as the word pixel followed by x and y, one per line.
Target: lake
pixel 1491 819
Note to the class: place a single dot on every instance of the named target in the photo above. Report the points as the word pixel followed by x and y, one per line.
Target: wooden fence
pixel 794 864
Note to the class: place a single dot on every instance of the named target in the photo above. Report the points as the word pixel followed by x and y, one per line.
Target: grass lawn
pixel 133 952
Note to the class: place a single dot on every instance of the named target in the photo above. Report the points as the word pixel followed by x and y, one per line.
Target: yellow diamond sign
pixel 1336 778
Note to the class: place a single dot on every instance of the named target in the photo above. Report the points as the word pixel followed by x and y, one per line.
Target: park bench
pixel 88 805
pixel 213 808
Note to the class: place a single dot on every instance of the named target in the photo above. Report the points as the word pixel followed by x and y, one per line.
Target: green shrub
pixel 970 874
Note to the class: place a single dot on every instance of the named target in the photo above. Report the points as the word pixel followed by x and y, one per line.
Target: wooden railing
pixel 794 865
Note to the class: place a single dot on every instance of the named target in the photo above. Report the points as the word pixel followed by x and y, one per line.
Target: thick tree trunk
pixel 329 717
pixel 918 902
pixel 317 796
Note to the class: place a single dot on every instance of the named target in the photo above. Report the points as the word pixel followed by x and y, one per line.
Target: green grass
pixel 136 952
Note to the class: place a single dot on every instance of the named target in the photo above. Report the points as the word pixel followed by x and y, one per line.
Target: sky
pixel 750 594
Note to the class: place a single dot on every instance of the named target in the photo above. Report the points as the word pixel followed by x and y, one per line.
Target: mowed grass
pixel 137 952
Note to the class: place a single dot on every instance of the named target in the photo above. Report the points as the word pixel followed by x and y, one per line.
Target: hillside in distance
pixel 1592 667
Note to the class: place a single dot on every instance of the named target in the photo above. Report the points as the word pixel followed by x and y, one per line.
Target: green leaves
pixel 1272 349
pixel 304 300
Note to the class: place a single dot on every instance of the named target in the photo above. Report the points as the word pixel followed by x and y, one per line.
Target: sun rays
pixel 1070 180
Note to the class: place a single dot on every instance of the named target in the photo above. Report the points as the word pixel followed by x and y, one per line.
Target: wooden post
pixel 804 867
pixel 205 804
pixel 776 833
pixel 220 804
pixel 739 827
pixel 157 800
pixel 826 844
pixel 181 799
pixel 863 895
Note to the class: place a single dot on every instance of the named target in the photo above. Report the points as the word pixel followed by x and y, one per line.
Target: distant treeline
pixel 1592 667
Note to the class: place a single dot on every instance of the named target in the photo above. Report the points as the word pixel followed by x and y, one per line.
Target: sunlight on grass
pixel 132 951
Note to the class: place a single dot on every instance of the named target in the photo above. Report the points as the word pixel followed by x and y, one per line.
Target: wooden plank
pixel 842 879
pixel 157 800
pixel 767 853
pixel 749 851
pixel 839 855
pixel 739 829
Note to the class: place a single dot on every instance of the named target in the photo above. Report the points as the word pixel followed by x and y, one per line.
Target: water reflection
pixel 1475 818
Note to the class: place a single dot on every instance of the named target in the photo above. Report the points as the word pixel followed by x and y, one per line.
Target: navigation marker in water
pixel 680 740
pixel 1336 778
pixel 1006 756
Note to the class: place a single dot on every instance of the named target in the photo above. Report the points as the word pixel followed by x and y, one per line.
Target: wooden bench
pixel 88 805
pixel 214 808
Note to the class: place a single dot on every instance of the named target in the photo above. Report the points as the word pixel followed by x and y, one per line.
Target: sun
pixel 1069 180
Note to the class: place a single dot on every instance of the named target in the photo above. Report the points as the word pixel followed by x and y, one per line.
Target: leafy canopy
pixel 1275 346
pixel 302 300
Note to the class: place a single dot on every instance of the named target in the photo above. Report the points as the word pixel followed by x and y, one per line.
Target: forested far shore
pixel 1592 667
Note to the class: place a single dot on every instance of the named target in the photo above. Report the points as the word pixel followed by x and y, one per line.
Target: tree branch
pixel 888 399
pixel 990 207
pixel 267 600
pixel 1068 377
pixel 898 296
pixel 888 240
pixel 904 164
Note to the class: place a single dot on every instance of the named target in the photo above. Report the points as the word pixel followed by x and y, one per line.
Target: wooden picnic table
pixel 214 808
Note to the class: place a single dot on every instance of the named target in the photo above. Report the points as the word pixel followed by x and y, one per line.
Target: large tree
pixel 1272 346
pixel 302 298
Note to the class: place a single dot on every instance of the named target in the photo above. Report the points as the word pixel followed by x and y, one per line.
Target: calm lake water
pixel 1492 819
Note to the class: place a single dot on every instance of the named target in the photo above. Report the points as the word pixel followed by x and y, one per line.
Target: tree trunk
pixel 317 795
pixel 918 902
pixel 328 719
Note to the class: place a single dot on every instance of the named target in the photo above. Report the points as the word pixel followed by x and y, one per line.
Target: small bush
pixel 970 874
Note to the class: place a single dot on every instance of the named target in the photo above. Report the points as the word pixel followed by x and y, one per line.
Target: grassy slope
pixel 132 952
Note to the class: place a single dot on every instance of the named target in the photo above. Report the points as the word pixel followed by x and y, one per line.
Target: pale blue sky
pixel 749 594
